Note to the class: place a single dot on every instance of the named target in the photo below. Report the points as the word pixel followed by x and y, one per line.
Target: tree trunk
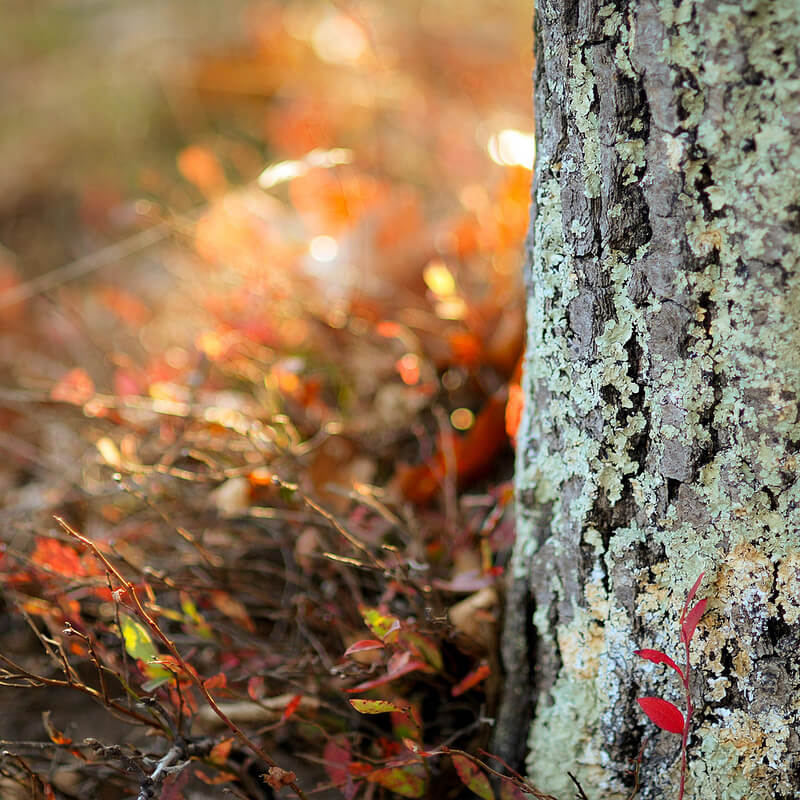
pixel 662 378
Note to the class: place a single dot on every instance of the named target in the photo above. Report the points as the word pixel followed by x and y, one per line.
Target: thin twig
pixel 334 523
pixel 524 785
pixel 152 784
pixel 83 266
pixel 581 793
pixel 37 681
pixel 170 645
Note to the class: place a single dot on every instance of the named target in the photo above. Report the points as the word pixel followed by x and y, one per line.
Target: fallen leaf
pixel 474 617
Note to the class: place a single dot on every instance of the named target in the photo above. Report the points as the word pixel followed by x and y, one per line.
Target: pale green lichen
pixel 715 771
pixel 560 734
pixel 631 151
pixel 582 86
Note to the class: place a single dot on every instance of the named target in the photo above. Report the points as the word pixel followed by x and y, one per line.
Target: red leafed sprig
pixel 667 715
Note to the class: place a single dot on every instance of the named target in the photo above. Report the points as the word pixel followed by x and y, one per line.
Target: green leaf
pixel 424 647
pixel 195 617
pixel 472 777
pixel 374 706
pixel 406 781
pixel 380 624
pixel 158 677
pixel 136 638
pixel 139 645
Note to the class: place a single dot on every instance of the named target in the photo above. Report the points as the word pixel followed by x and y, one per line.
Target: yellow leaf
pixel 136 637
pixel 374 706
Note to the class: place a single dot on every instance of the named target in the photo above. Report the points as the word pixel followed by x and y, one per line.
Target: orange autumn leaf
pixel 299 127
pixel 218 681
pixel 76 387
pixel 334 201
pixel 220 776
pixel 59 558
pixel 56 736
pixel 474 454
pixel 201 167
pixel 220 751
pixel 514 408
pixel 466 348
pixel 233 608
pixel 471 680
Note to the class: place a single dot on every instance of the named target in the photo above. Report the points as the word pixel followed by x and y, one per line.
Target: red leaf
pixel 692 618
pixel 291 707
pixel 218 681
pixel 657 657
pixel 173 786
pixel 255 687
pixel 55 735
pixel 337 758
pixel 690 596
pixel 472 679
pixel 509 791
pixel 364 644
pixel 472 777
pixel 663 713
pixel 58 557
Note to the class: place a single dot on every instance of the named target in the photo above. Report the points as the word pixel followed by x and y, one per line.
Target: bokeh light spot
pixel 462 419
pixel 512 148
pixel 323 248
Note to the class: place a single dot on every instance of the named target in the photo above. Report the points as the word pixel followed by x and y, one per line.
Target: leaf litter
pixel 282 433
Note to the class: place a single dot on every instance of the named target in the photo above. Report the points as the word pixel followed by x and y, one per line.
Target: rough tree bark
pixel 661 431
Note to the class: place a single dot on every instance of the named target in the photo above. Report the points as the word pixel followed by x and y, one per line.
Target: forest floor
pixel 260 324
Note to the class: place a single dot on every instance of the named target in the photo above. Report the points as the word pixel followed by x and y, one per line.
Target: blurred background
pixel 98 99
pixel 240 239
